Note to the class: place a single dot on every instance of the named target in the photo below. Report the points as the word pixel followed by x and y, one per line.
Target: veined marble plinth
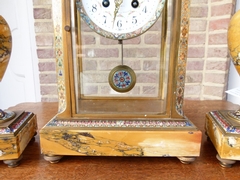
pixel 159 138
pixel 224 132
pixel 15 135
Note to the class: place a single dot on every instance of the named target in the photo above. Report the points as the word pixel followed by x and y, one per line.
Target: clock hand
pixel 117 6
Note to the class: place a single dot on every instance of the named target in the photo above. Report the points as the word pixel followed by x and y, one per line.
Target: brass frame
pixel 178 57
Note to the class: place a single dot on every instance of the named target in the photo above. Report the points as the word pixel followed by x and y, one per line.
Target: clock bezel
pixel 120 36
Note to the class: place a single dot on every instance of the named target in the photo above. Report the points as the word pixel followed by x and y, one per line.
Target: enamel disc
pixel 122 78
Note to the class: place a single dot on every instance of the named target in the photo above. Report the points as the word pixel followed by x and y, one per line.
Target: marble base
pixel 153 138
pixel 224 132
pixel 15 136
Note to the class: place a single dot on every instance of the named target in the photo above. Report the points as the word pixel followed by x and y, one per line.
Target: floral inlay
pixel 121 123
pixel 224 123
pixel 14 126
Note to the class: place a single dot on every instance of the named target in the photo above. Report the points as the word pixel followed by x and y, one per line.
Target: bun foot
pixel 186 160
pixel 226 163
pixel 13 162
pixel 52 158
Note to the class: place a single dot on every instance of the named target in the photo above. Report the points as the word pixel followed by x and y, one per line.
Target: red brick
pixel 46 53
pixel 42 13
pixel 157 26
pixel 88 39
pixel 47 66
pixel 52 98
pixel 196 52
pixel 199 11
pixel 95 77
pixel 222 9
pixel 42 2
pixel 107 41
pixel 195 65
pixel 85 27
pixel 136 40
pixel 217 91
pixel 147 78
pixel 89 65
pixel 198 25
pixel 134 64
pixel 101 53
pixel 219 24
pixel 141 52
pixel 215 78
pixel 218 52
pixel 48 78
pixel 194 77
pixel 152 38
pixel 192 90
pixel 44 40
pixel 43 27
pixel 48 89
pixel 108 64
pixel 217 39
pixel 150 65
pixel 197 39
pixel 217 65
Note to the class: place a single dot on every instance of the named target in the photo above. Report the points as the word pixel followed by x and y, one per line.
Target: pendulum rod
pixel 121 42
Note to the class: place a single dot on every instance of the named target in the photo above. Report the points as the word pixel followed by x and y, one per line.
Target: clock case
pixel 122 125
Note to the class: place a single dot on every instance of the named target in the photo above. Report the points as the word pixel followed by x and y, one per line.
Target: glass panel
pixel 96 56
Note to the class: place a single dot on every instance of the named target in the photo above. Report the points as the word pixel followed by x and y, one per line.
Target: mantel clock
pixel 121 67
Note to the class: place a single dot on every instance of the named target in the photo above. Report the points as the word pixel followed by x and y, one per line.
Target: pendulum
pixel 122 78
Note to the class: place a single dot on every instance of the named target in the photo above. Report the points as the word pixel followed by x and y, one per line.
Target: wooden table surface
pixel 205 167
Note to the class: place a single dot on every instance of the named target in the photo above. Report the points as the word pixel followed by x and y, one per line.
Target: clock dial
pixel 120 19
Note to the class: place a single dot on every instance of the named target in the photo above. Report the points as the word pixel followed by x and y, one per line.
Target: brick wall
pixel 207 68
pixel 45 50
pixel 208 62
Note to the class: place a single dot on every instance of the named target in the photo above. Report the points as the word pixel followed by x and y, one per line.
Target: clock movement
pixel 121 68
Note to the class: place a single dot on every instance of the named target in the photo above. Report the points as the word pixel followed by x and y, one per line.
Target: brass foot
pixel 13 162
pixel 52 158
pixel 226 163
pixel 186 160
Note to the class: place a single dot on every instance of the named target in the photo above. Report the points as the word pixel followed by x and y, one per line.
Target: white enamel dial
pixel 119 19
